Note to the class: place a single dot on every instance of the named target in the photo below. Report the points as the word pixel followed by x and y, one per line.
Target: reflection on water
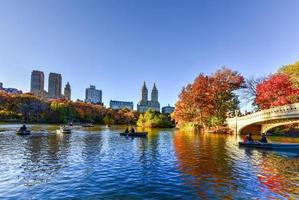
pixel 168 164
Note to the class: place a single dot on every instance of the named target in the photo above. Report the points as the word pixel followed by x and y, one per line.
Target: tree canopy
pixel 152 119
pixel 206 101
pixel 276 90
pixel 29 108
pixel 292 70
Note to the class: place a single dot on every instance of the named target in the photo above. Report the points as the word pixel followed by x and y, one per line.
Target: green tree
pixel 152 119
pixel 292 70
pixel 108 119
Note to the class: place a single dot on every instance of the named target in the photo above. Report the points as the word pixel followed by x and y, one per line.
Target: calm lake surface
pixel 99 164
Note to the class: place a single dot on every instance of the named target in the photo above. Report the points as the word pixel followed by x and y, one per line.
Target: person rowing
pixel 132 130
pixel 248 138
pixel 263 138
pixel 23 128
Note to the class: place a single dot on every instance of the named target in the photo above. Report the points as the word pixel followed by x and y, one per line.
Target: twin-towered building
pixel 54 86
pixel 145 104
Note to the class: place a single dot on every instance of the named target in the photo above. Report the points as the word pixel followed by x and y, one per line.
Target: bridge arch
pixel 266 119
pixel 251 128
pixel 268 127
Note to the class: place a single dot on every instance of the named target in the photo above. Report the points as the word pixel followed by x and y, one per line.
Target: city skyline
pixel 117 46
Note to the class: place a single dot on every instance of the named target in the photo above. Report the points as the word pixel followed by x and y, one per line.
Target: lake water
pixel 168 164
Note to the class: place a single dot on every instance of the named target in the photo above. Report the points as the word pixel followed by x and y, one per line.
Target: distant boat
pixel 272 146
pixel 64 129
pixel 87 125
pixel 23 132
pixel 136 134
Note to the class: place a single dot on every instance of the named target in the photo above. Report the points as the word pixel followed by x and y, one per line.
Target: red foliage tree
pixel 276 90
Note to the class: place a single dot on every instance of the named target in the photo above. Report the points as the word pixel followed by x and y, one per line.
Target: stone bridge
pixel 264 120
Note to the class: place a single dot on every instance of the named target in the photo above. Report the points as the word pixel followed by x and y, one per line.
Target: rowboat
pixel 271 146
pixel 87 125
pixel 23 132
pixel 136 134
pixel 64 129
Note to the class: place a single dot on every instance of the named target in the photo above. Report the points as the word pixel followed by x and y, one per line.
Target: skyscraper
pixel 145 104
pixel 54 87
pixel 92 95
pixel 67 91
pixel 37 82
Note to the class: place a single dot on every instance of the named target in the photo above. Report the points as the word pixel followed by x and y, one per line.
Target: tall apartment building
pixel 92 95
pixel 54 87
pixel 37 82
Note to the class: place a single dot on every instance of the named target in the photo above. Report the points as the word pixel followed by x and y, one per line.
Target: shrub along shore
pixel 31 109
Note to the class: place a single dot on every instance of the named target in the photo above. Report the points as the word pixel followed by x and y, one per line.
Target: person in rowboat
pixel 248 138
pixel 23 128
pixel 132 130
pixel 263 138
pixel 127 130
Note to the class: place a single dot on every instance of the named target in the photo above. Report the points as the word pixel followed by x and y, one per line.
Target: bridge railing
pixel 276 110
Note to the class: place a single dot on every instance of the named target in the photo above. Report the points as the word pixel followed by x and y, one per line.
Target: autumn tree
pixel 224 83
pixel 292 70
pixel 29 106
pixel 35 109
pixel 276 90
pixel 206 101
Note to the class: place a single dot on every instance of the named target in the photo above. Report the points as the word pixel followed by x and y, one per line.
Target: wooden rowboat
pixel 136 134
pixel 64 129
pixel 23 132
pixel 271 146
pixel 87 125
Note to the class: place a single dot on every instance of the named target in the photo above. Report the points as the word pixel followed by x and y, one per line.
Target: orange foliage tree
pixel 205 102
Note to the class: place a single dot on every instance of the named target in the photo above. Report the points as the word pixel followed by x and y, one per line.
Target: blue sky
pixel 118 44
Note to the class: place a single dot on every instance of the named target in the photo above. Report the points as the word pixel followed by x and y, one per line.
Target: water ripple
pixel 168 164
